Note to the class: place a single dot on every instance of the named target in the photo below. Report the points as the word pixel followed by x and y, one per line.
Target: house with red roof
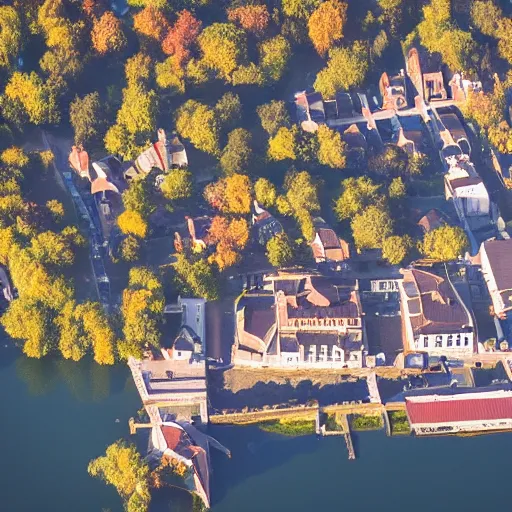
pixel 326 245
pixel 435 319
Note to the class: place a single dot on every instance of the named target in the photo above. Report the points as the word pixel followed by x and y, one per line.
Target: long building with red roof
pixel 462 412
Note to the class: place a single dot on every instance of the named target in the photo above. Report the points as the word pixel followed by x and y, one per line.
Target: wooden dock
pixel 345 432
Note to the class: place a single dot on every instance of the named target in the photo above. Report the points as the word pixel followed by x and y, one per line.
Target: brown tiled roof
pixel 259 315
pixel 465 182
pixel 433 219
pixel 499 253
pixel 440 310
pixel 328 238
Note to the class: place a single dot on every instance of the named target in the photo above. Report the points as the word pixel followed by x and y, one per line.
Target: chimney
pixel 161 136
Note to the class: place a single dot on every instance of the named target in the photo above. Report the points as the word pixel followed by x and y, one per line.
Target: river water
pixel 58 415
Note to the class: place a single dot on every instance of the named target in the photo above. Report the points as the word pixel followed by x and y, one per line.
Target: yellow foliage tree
pixel 332 149
pixel 283 144
pixel 132 223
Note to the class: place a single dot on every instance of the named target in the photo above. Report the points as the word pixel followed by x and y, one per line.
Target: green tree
pixel 224 48
pixel 199 124
pixel 346 68
pixel 445 243
pixel 229 110
pixel 10 35
pixel 371 227
pixel 177 185
pixel 283 145
pixel 299 8
pixel 396 248
pixel 279 250
pixel 356 195
pixel 397 189
pixel 266 193
pixel 86 117
pixel 273 116
pixel 237 155
pixel 332 150
pixel 124 468
pixel 197 278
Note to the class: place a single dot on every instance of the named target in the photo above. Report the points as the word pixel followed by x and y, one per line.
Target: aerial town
pixel 294 216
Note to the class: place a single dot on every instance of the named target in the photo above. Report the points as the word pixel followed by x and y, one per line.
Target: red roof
pixel 461 409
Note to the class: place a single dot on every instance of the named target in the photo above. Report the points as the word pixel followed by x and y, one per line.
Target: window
pixel 179 354
pixel 425 341
pixel 439 341
pixel 457 340
pixel 450 341
pixel 289 360
pixel 324 352
pixel 466 341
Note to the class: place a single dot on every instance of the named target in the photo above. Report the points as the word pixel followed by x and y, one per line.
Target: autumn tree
pixel 486 16
pixel 279 250
pixel 391 162
pixel 142 308
pixel 356 195
pixel 332 149
pixel 170 76
pixel 34 98
pixel 396 248
pixel 177 185
pixel 130 248
pixel 138 69
pixel 326 25
pixel 196 278
pixel 132 223
pixel 500 137
pixel 273 116
pixel 107 34
pixel 123 467
pixel 10 35
pixel 253 18
pixel 198 123
pixel 397 189
pixel 445 243
pixel 182 37
pixel 283 145
pixel 139 197
pixel 274 55
pixel 237 155
pixel 346 68
pixel 265 192
pixel 299 8
pixel 232 194
pixel 371 227
pixel 223 46
pixel 151 24
pixel 231 236
pixel 86 117
pixel 228 110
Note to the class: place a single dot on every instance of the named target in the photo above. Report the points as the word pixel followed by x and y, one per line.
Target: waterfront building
pixel 300 320
pixel 435 320
pixel 497 272
pixel 460 412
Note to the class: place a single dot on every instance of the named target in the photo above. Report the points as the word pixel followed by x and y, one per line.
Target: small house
pixel 265 225
pixel 326 246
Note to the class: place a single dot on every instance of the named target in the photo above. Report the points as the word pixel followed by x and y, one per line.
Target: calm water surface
pixel 58 415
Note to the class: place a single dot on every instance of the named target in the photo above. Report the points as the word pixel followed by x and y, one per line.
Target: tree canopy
pixel 445 243
pixel 332 149
pixel 371 227
pixel 326 24
pixel 279 250
pixel 357 194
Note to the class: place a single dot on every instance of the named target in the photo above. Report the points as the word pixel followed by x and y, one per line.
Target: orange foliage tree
pixel 232 194
pixel 253 18
pixel 326 25
pixel 231 236
pixel 107 34
pixel 151 23
pixel 94 7
pixel 181 37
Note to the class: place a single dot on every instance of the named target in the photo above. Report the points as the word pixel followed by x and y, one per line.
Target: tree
pixel 138 111
pixel 371 227
pixel 283 145
pixel 73 343
pixel 34 97
pixel 391 162
pixel 231 236
pixel 266 193
pixel 142 308
pixel 197 278
pixel 86 117
pixel 274 56
pixel 56 209
pixel 151 24
pixel 332 150
pixel 51 248
pixel 486 16
pixel 299 8
pixel 505 39
pixel 326 25
pixel 485 110
pixel 279 250
pixel 397 189
pixel 224 48
pixel 229 110
pixel 107 34
pixel 98 329
pixel 396 248
pixel 445 243
pixel 501 137
pixel 231 194
pixel 273 116
pixel 132 223
pixel 177 185
pixel 124 468
pixel 356 195
pixel 199 124
pixel 139 197
pixel 10 35
pixel 138 69
pixel 346 68
pixel 170 76
pixel 182 37
pixel 237 155
pixel 129 248
pixel 301 192
pixel 253 18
